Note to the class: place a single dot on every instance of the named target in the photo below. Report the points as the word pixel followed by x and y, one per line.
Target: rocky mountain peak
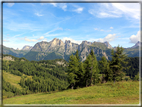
pixel 17 49
pixel 86 43
pixel 108 45
pixel 56 42
pixel 67 41
pixel 137 44
pixel 27 47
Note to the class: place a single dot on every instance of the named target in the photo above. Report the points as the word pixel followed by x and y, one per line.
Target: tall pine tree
pixel 116 63
pixel 73 69
pixel 81 74
pixel 91 69
pixel 103 68
pixel 77 56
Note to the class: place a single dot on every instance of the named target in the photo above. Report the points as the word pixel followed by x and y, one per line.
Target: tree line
pixel 91 71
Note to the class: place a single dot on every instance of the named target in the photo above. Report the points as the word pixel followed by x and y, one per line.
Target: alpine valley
pixel 57 49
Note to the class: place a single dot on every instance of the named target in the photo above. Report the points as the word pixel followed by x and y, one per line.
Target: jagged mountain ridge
pixel 56 49
pixel 42 50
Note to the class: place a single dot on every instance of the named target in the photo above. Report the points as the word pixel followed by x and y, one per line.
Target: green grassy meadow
pixel 124 92
pixel 13 79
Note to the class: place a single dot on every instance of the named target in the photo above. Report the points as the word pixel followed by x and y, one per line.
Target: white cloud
pixel 130 10
pixel 78 10
pixel 63 6
pixel 103 29
pixel 135 38
pixel 54 4
pixel 26 39
pixel 30 40
pixel 37 14
pixel 111 27
pixel 109 38
pixel 10 4
pixel 42 37
pixel 34 40
pixel 45 40
pixel 72 40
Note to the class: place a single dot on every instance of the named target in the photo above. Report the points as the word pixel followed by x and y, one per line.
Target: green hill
pixel 108 93
pixel 33 76
pixel 132 52
pixel 48 79
pixel 37 56
pixel 16 53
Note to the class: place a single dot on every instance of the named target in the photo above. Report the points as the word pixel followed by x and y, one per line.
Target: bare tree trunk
pixel 114 80
pixel 72 86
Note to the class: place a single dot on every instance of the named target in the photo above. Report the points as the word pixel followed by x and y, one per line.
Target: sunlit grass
pixel 108 93
pixel 13 79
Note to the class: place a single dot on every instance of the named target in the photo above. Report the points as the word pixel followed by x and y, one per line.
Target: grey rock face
pixel 67 48
pixel 137 44
pixel 26 47
pixel 70 47
pixel 58 49
pixel 108 45
pixel 56 42
pixel 40 46
pixel 8 58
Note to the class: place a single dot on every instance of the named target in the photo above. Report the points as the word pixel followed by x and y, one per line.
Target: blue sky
pixel 29 23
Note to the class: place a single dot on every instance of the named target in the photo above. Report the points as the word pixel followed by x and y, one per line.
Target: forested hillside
pixel 47 75
pixel 57 75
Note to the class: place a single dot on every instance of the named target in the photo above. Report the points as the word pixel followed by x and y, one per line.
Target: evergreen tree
pixel 82 74
pixel 136 78
pixel 77 56
pixel 116 62
pixel 91 69
pixel 73 69
pixel 103 68
pixel 109 73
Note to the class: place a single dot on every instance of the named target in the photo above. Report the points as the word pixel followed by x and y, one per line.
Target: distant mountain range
pixel 27 47
pixel 56 49
pixel 137 44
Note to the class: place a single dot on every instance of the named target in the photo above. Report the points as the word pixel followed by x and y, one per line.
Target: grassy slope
pixel 108 93
pixel 13 79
